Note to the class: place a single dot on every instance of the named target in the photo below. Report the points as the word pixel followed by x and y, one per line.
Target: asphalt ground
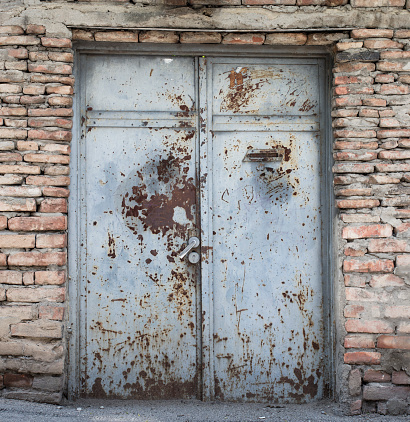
pixel 179 411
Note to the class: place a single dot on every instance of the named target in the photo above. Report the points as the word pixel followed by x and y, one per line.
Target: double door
pixel 228 151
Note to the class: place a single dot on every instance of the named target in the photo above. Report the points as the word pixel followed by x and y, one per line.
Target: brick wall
pixel 371 120
pixel 36 90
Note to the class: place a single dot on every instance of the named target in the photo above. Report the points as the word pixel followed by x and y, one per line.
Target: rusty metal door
pixel 229 150
pixel 138 334
pixel 264 193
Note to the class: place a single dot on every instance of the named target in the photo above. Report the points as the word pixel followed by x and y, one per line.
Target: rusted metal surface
pixel 267 317
pixel 250 326
pixel 140 204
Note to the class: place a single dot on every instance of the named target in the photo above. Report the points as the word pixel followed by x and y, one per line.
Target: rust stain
pixel 111 246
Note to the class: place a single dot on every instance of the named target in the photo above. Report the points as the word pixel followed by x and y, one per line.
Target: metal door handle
pixel 193 242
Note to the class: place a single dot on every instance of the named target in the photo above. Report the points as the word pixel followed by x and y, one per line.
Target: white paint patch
pixel 180 216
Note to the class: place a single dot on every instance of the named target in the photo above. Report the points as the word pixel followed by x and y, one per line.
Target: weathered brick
pixel 255 39
pixel 49 277
pixel 355 145
pixel 50 241
pixel 82 35
pixel 53 205
pixel 357 203
pixel 60 148
pixel 346 133
pixel 374 230
pixel 355 280
pixel 379 179
pixel 34 89
pixel 15 123
pixel 368 265
pixel 37 223
pixel 17 241
pixel 18 53
pixel 372 33
pixel 400 378
pixel 354 67
pixel 19 191
pixel 35 29
pixel 395 155
pixel 386 168
pixel 40 328
pixel 398 311
pixel 26 99
pixel 55 135
pixel 403 328
pixel 45 112
pixel 27 146
pixel 64 69
pixel 286 38
pixel 362 358
pixel 353 168
pixel 48 180
pixel 57 192
pixel 368 326
pixel 61 57
pixel 394 89
pixel 56 42
pixel 10 89
pixel 37 259
pixel 13 133
pixel 60 101
pixel 11 29
pixel 348 101
pixel 364 56
pixel 14 204
pixel 43 79
pixel 396 54
pixel 354 311
pixel 116 36
pixel 11 179
pixel 47 158
pixel 388 245
pixel 36 294
pixel 385 392
pixel 7 76
pixel 63 90
pixel 57 170
pixel 355 156
pixel 51 312
pixel 10 157
pixel 19 40
pixel 394 342
pixel 158 37
pixel 20 169
pixel 355 294
pixel 389 66
pixel 359 342
pixel 18 380
pixel 10 277
pixel 373 375
pixel 380 43
pixel 3 222
pixel 28 278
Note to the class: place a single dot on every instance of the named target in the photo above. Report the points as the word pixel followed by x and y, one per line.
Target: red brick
pixel 34 89
pixel 53 205
pixel 374 230
pixel 395 155
pixel 40 328
pixel 398 54
pixel 57 170
pixel 116 36
pixel 51 312
pixel 159 37
pixel 18 380
pixel 13 133
pixel 398 311
pixel 60 148
pixel 243 39
pixel 19 40
pixel 388 245
pixel 368 265
pixel 36 294
pixel 37 259
pixel 56 42
pixel 368 112
pixel 26 99
pixel 355 294
pixel 400 378
pixel 38 55
pixel 13 111
pixel 324 38
pixel 355 250
pixel 80 34
pixel 50 241
pixel 14 204
pixel 10 88
pixel 48 180
pixel 27 146
pixel 357 203
pixel 350 45
pixel 3 259
pixel 372 33
pixel 346 90
pixel 56 135
pixel 372 375
pixel 272 2
pixel 57 192
pixel 359 342
pixel 28 278
pixel 389 122
pixel 47 158
pixel 49 277
pixel 384 78
pixel 362 358
pixel 38 223
pixel 393 133
pixel 366 326
pixel 3 222
pixel 63 90
pixel 385 167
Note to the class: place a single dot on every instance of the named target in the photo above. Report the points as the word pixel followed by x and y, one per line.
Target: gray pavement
pixel 179 411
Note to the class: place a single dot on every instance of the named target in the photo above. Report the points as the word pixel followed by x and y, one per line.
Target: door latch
pixel 193 243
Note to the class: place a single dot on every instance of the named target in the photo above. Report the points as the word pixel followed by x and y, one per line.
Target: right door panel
pixel 268 329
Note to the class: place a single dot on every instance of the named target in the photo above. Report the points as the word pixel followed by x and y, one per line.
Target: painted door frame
pixel 76 238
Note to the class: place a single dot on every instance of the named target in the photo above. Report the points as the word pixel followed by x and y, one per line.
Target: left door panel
pixel 138 300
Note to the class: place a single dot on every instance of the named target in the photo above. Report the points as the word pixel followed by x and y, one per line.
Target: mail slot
pixel 264 155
